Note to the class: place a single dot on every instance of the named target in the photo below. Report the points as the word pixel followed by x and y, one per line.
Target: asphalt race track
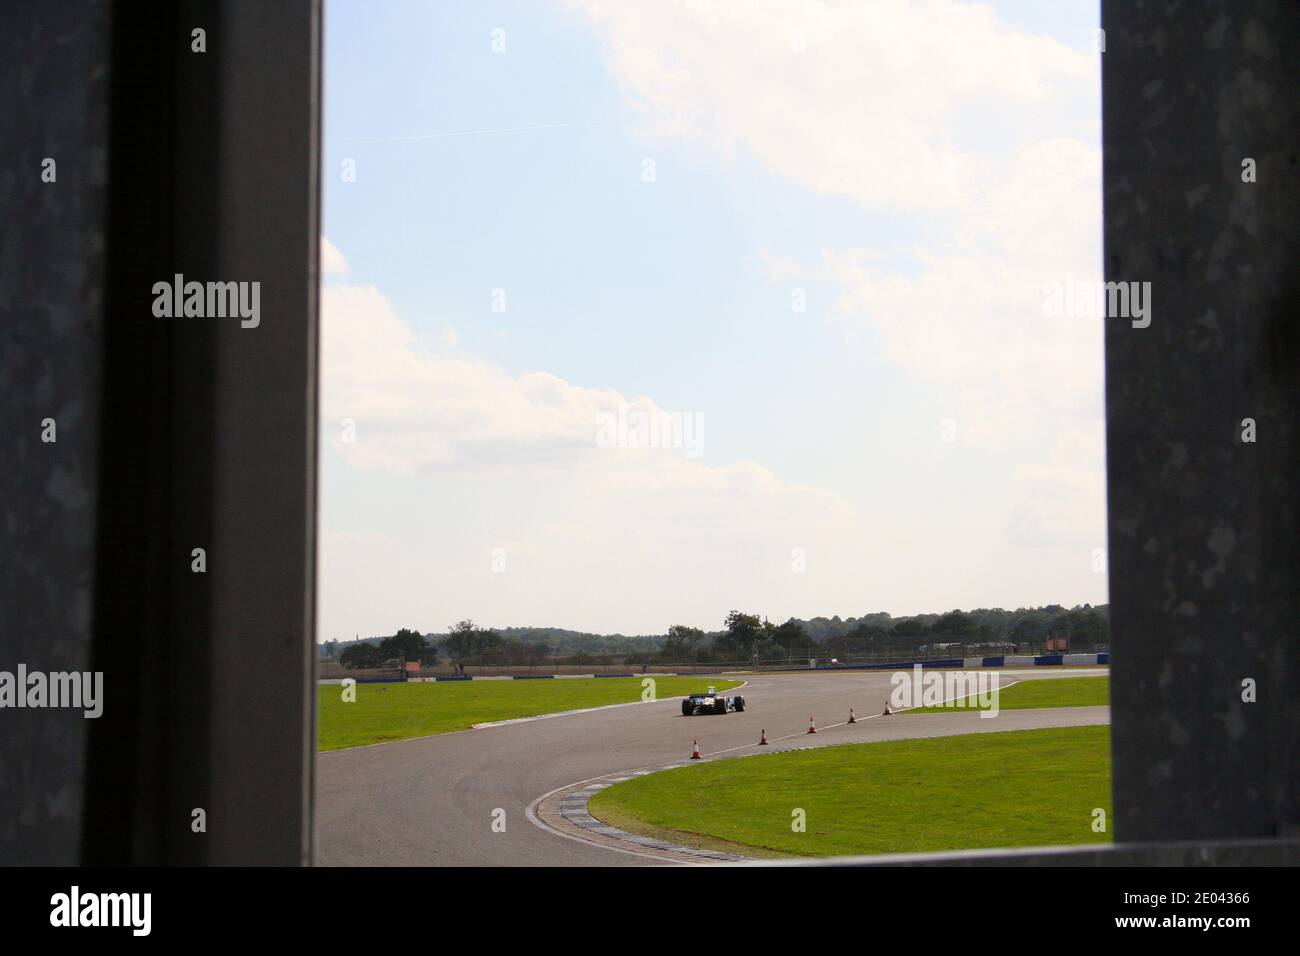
pixel 431 801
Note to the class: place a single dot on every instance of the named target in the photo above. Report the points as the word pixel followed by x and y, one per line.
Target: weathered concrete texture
pixel 53 73
pixel 1203 526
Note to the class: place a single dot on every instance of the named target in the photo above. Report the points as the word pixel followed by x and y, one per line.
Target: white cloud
pixel 912 108
pixel 971 317
pixel 473 459
pixel 936 109
pixel 867 100
pixel 425 410
pixel 332 262
pixel 1062 497
pixel 781 267
pixel 417 411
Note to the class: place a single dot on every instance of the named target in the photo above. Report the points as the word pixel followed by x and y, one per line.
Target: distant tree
pixel 743 630
pixel 910 627
pixel 955 624
pixel 687 636
pixel 360 655
pixel 488 643
pixel 1031 627
pixel 466 641
pixel 461 641
pixel 330 649
pixel 1103 624
pixel 861 638
pixel 406 642
pixel 1083 625
pixel 681 643
pixel 790 635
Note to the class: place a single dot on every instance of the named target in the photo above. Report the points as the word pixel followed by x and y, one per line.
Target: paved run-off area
pixel 461 798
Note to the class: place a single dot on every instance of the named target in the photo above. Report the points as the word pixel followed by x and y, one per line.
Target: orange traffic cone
pixel 695 754
pixel 887 710
pixel 762 738
pixel 812 727
pixel 852 719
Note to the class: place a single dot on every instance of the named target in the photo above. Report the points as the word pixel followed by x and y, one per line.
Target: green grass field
pixel 1006 789
pixel 1048 692
pixel 385 712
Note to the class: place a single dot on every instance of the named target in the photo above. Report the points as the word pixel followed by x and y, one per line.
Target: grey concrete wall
pixel 1203 526
pixel 170 436
pixel 53 84
pixel 214 169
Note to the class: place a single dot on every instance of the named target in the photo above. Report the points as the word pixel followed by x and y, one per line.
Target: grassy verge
pixel 386 712
pixel 1048 692
pixel 1018 788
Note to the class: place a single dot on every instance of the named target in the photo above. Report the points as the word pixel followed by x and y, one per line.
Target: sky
pixel 810 243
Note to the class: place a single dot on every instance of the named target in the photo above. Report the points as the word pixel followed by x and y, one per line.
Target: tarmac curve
pixel 433 801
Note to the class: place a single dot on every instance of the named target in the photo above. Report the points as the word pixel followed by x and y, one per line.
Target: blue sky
pixel 775 176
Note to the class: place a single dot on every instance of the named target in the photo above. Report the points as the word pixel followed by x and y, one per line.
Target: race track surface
pixel 431 801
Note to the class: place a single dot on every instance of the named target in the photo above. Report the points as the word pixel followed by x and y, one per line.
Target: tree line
pixel 463 642
pixel 744 636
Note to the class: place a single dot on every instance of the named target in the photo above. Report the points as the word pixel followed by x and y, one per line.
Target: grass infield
pixel 1006 789
pixel 387 712
pixel 1047 692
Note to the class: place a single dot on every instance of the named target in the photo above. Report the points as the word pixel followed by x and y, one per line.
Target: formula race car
pixel 711 702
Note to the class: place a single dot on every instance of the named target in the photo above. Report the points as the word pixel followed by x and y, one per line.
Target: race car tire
pixel 740 704
pixel 686 708
pixel 720 705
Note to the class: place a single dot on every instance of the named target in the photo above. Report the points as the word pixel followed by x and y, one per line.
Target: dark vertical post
pixel 1204 542
pixel 263 654
pixel 53 84
pixel 210 441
